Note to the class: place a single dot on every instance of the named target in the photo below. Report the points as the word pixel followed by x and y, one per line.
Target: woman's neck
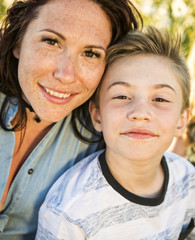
pixel 29 137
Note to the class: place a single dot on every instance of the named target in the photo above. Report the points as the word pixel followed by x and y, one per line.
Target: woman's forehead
pixel 75 20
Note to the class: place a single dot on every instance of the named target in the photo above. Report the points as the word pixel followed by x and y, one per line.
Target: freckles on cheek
pixel 98 76
pixel 93 81
pixel 90 76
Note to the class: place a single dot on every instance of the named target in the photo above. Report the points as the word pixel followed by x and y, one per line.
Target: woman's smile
pixel 57 96
pixel 57 71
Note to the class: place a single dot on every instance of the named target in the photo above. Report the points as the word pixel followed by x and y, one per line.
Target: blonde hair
pixel 189 135
pixel 191 64
pixel 153 41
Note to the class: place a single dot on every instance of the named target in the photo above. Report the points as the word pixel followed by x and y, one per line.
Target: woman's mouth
pixel 57 94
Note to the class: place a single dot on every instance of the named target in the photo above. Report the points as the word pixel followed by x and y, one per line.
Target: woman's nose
pixel 65 70
pixel 139 111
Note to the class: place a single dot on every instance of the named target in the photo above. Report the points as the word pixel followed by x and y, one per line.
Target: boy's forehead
pixel 138 58
pixel 143 68
pixel 144 61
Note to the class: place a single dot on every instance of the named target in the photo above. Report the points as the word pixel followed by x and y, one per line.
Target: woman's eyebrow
pixel 96 46
pixel 63 38
pixel 52 31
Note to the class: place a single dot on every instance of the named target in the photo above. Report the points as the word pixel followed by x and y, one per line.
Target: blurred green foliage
pixel 178 16
pixel 2 9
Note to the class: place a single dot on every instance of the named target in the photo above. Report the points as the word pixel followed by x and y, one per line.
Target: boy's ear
pixel 182 123
pixel 95 116
pixel 16 52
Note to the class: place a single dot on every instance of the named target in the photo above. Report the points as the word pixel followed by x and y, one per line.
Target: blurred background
pixel 176 15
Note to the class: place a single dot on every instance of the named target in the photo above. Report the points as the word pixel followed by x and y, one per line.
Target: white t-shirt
pixel 88 203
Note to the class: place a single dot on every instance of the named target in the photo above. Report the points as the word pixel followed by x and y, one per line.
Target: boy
pixel 132 190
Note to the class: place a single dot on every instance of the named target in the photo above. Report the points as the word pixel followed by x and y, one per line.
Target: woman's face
pixel 62 56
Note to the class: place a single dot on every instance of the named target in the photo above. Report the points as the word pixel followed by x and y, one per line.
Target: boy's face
pixel 140 107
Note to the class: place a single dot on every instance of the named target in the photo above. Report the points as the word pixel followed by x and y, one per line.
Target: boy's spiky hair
pixel 154 41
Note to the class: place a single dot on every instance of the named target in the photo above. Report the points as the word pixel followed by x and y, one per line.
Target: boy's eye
pixel 160 100
pixel 90 53
pixel 50 41
pixel 121 97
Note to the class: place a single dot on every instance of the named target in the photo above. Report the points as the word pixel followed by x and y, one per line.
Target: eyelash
pixel 53 41
pixel 121 97
pixel 160 100
pixel 92 54
pixel 50 41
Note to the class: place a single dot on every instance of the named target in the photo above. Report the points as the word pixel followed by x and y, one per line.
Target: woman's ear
pixel 95 116
pixel 182 123
pixel 16 52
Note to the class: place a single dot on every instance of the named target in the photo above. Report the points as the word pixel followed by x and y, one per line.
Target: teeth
pixel 57 94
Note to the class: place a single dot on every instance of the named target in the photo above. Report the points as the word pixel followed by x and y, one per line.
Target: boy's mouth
pixel 139 133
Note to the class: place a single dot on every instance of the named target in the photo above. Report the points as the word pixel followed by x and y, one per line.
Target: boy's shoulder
pixel 180 165
pixel 84 168
pixel 173 157
pixel 80 180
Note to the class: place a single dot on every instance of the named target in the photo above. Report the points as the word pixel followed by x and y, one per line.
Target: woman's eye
pixel 50 41
pixel 91 54
pixel 160 100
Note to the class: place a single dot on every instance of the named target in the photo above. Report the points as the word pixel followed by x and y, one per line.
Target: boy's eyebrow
pixel 63 38
pixel 162 85
pixel 119 83
pixel 156 86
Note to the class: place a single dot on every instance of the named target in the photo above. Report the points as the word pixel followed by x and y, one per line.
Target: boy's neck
pixel 144 179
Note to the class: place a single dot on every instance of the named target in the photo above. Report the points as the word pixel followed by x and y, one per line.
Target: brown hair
pixel 123 17
pixel 156 42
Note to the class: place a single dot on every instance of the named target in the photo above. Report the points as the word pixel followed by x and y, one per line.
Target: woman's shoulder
pixel 10 108
pixel 2 98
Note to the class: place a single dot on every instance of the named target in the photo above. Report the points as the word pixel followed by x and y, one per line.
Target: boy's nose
pixel 65 70
pixel 139 111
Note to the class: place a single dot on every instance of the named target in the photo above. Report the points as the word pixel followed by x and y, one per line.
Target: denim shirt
pixel 57 151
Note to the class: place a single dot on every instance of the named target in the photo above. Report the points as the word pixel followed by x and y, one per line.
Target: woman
pixel 52 59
